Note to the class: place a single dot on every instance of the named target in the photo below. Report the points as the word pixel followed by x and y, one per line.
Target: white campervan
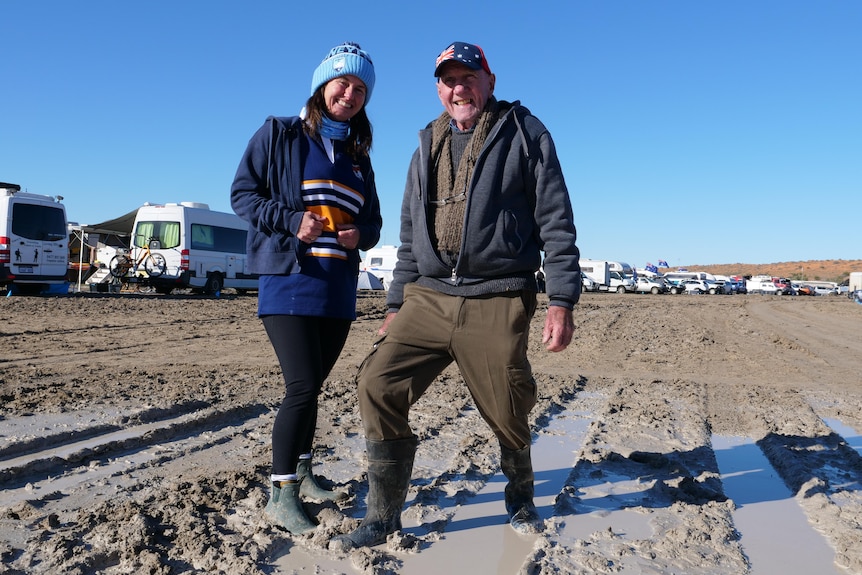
pixel 203 249
pixel 34 240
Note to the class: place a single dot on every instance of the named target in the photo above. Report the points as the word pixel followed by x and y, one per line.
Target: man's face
pixel 464 92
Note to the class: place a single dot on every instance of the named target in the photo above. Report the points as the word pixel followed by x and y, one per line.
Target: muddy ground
pixel 134 435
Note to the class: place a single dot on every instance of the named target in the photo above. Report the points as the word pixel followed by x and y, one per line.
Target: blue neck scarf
pixel 333 130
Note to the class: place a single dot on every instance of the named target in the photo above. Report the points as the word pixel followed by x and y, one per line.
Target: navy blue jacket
pixel 267 193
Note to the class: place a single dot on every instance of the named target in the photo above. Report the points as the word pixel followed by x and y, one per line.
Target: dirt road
pixel 134 438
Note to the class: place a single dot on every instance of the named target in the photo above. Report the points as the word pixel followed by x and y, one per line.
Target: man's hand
pixel 385 327
pixel 559 328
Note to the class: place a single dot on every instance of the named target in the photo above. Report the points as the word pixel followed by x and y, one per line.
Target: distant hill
pixel 815 270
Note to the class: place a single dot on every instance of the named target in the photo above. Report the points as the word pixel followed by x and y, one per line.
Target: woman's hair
pixel 358 143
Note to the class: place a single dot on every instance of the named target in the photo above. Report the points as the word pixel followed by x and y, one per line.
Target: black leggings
pixel 307 348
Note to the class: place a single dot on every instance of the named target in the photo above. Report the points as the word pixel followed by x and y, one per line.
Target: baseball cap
pixel 470 55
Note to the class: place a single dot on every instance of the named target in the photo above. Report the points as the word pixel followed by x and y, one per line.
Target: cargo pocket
pixel 522 388
pixel 374 346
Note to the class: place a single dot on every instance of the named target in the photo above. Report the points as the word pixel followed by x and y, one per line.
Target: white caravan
pixel 34 240
pixel 203 249
pixel 380 262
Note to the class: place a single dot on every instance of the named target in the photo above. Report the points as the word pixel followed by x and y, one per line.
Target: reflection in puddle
pixel 776 535
pixel 850 435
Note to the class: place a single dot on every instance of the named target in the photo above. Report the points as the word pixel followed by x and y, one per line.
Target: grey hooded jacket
pixel 518 206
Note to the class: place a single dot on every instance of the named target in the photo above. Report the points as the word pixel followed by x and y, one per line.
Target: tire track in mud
pixel 66 460
pixel 644 494
pixel 101 343
pixel 828 343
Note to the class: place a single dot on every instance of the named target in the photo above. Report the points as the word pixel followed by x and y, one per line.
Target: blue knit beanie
pixel 347 58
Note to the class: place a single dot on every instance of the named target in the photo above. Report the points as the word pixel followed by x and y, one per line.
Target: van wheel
pixel 621 289
pixel 214 284
pixel 655 291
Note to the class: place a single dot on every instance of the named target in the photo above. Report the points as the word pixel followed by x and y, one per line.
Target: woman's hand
pixel 348 236
pixel 311 227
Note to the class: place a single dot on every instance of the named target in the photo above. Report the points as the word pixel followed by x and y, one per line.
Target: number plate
pixel 25 269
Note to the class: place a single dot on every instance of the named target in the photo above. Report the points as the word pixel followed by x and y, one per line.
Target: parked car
pixel 805 290
pixel 695 286
pixel 823 290
pixel 734 286
pixel 587 284
pixel 783 286
pixel 675 286
pixel 650 285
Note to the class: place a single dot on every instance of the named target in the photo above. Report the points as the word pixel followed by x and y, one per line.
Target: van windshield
pixel 37 222
pixel 167 234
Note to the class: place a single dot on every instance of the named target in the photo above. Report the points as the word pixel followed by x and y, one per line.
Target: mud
pixel 134 438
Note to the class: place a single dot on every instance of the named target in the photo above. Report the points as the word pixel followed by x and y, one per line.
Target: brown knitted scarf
pixel 448 192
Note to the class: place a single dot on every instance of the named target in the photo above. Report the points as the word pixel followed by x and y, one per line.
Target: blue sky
pixel 689 131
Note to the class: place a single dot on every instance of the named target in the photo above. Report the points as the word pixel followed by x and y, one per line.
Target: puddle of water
pixel 481 524
pixel 776 535
pixel 850 435
pixel 604 505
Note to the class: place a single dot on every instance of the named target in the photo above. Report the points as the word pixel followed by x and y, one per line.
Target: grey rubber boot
pixel 285 509
pixel 311 489
pixel 390 464
pixel 518 469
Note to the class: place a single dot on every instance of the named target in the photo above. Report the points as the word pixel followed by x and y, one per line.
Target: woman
pixel 306 187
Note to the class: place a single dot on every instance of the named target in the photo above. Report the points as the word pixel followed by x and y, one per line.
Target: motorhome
pixel 380 262
pixel 204 250
pixel 624 269
pixel 34 241
pixel 606 279
pixel 854 282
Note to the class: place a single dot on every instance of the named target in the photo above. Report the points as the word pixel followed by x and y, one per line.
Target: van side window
pixel 36 222
pixel 218 239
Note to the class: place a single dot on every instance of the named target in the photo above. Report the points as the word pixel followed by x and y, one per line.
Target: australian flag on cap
pixel 470 55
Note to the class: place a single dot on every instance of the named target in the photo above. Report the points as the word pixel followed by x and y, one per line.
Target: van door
pixel 234 264
pixel 39 242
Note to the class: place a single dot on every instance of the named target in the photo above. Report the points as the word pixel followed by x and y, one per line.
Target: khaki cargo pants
pixel 485 336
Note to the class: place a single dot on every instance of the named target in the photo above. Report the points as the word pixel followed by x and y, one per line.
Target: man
pixel 484 197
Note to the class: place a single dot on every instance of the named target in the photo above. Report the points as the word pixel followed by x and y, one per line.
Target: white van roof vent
pixel 199 205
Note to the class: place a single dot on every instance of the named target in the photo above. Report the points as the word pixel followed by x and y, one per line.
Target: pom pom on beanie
pixel 344 59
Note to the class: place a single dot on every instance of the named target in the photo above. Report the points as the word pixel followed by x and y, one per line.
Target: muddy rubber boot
pixel 390 464
pixel 285 509
pixel 518 469
pixel 311 489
